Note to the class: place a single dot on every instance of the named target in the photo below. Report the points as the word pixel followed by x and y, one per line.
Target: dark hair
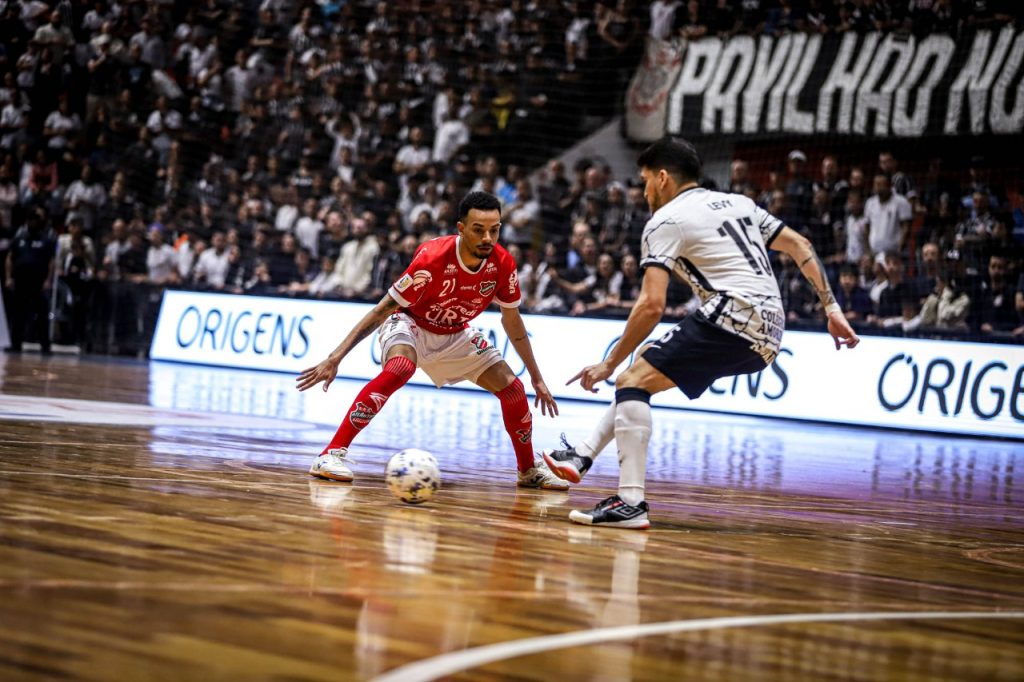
pixel 848 269
pixel 482 201
pixel 673 154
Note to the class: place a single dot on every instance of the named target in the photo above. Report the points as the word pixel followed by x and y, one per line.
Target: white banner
pixel 952 387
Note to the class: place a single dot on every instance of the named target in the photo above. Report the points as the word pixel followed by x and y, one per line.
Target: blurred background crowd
pixel 307 148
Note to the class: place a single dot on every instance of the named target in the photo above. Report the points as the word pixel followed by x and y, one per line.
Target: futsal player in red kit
pixel 424 322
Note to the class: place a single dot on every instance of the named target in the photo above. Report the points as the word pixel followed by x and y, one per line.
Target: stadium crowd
pixel 306 149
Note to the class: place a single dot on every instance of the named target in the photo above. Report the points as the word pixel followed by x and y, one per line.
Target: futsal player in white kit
pixel 717 243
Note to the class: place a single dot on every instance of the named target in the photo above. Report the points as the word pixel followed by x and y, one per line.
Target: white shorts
pixel 446 358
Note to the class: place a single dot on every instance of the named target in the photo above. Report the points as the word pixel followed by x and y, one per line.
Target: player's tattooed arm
pixel 799 248
pixel 814 270
pixel 373 319
pixel 327 370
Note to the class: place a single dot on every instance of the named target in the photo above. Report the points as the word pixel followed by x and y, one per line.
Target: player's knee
pixel 402 350
pixel 628 379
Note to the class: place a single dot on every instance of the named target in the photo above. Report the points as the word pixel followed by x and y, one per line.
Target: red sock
pixel 515 410
pixel 371 399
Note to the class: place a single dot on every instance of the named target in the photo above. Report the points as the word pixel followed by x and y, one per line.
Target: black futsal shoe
pixel 614 513
pixel 566 464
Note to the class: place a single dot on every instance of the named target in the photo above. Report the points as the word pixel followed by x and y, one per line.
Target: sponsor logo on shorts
pixel 361 415
pixel 487 288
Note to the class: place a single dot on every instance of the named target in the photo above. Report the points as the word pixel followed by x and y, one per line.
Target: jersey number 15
pixel 755 254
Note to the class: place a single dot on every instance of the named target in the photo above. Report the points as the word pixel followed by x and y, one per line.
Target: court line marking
pixel 460 661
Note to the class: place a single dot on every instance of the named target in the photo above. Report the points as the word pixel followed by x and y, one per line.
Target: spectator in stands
pixel 900 182
pixel 238 274
pixel 161 270
pixel 974 235
pixel 522 217
pixel 85 197
pixel 540 294
pixel 308 227
pixel 76 272
pixel 355 264
pixel 130 296
pixel 553 190
pixel 211 268
pixel 895 300
pixel 856 229
pixel 30 271
pixel 799 189
pixel 888 217
pixel 281 261
pixel 946 307
pixel 326 283
pixel 929 269
pixel 580 232
pixel 997 312
pixel 739 176
pixel 830 181
pixel 822 229
pixel 851 297
pixel 75 233
pixel 605 290
pixel 577 280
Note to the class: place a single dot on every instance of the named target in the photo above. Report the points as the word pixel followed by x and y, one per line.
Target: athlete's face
pixel 480 230
pixel 656 189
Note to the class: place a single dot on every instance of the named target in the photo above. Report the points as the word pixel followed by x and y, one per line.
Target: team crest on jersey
pixel 487 288
pixel 361 415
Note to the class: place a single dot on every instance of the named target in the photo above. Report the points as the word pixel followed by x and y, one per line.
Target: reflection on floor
pixel 156 522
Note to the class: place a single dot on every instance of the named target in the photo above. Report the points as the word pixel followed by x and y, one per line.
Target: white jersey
pixel 717 242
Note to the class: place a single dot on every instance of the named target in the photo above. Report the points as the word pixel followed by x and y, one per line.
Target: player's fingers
pixel 837 342
pixel 579 375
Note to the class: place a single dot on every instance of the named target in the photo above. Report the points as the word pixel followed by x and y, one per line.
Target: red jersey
pixel 443 295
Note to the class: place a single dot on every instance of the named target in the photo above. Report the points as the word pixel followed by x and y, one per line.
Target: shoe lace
pixel 341 455
pixel 565 442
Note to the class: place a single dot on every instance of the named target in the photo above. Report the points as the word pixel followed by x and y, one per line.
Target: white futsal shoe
pixel 332 465
pixel 539 476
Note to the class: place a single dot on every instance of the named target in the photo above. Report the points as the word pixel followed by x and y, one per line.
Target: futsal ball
pixel 412 475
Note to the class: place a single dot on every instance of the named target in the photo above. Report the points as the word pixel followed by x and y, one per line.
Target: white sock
pixel 603 434
pixel 632 433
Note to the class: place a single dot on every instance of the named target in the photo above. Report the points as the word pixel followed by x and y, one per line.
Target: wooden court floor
pixel 157 523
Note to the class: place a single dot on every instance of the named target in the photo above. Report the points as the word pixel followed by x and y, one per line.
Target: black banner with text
pixel 871 85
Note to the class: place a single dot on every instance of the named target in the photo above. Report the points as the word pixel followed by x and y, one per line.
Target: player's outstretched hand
pixel 841 331
pixel 545 401
pixel 325 372
pixel 588 376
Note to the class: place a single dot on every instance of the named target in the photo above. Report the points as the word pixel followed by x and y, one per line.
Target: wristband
pixel 833 308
